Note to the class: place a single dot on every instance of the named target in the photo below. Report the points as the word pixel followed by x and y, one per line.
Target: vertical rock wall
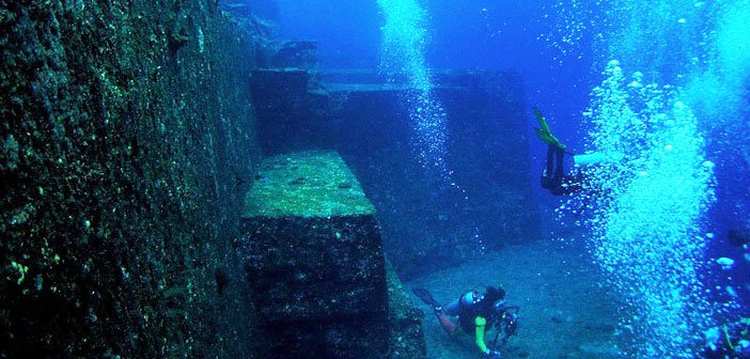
pixel 126 141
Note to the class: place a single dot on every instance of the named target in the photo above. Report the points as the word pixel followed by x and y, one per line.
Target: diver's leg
pixel 556 179
pixel 553 176
pixel 451 308
pixel 550 160
pixel 546 179
pixel 559 157
pixel 446 322
pixel 443 315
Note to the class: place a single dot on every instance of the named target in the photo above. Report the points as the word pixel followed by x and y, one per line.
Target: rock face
pixel 296 54
pixel 316 267
pixel 292 111
pixel 126 140
pixel 405 320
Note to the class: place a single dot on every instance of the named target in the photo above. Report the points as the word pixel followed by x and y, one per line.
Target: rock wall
pixel 126 141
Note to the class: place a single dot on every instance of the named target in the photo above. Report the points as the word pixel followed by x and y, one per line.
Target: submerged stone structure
pixel 316 267
pixel 429 220
pixel 129 137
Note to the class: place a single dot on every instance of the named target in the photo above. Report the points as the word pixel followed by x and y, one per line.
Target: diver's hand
pixel 492 354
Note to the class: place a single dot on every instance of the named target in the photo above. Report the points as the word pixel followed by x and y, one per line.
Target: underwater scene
pixel 375 179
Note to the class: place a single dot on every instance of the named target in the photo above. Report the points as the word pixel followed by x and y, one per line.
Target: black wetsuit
pixel 554 178
pixel 468 312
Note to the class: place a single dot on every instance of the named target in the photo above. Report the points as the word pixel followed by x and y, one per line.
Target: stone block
pixel 314 259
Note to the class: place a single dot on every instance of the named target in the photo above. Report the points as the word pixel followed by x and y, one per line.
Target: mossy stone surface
pixel 127 142
pixel 306 184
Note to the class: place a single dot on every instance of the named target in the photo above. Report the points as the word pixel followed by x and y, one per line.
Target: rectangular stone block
pixel 314 259
pixel 315 267
pixel 312 184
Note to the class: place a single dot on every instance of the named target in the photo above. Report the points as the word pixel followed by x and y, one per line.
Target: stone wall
pixel 126 141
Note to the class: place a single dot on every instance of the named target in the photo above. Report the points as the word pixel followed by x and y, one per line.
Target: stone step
pixel 306 184
pixel 357 76
pixel 372 81
pixel 315 263
pixel 372 76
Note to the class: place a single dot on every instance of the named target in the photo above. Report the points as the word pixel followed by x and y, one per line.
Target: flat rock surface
pixel 373 87
pixel 306 184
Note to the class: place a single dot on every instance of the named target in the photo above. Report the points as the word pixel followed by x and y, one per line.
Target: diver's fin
pixel 548 138
pixel 542 121
pixel 426 297
pixel 542 135
pixel 537 113
pixel 543 131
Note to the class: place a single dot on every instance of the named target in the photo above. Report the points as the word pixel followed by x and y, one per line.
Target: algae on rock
pixel 122 161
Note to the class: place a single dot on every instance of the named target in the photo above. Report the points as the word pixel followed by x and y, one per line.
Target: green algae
pixel 21 269
pixel 306 184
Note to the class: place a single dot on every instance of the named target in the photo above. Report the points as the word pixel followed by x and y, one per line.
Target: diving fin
pixel 544 133
pixel 426 297
pixel 542 121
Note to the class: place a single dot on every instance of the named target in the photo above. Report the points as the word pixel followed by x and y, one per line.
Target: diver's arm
pixel 480 323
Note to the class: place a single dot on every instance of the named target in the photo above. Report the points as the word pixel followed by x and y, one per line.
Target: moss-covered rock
pixel 306 184
pixel 316 267
pixel 126 141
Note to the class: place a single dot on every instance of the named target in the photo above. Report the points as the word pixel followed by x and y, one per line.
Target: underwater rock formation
pixel 316 266
pixel 482 204
pixel 405 320
pixel 283 98
pixel 127 140
pixel 296 54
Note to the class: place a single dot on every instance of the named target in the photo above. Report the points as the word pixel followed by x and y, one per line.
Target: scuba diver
pixel 477 313
pixel 728 341
pixel 554 178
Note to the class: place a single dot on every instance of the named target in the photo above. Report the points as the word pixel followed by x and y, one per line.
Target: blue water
pixel 664 83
